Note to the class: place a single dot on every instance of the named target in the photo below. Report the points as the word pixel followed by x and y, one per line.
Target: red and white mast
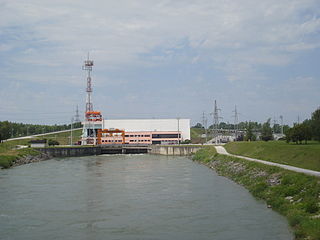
pixel 88 64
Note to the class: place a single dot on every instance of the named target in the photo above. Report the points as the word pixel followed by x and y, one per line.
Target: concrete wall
pixel 70 151
pixel 174 150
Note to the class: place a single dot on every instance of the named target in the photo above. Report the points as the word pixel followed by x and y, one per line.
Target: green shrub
pixel 52 142
pixel 311 206
pixel 6 161
pixel 258 189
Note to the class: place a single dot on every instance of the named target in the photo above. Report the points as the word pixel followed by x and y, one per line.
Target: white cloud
pixel 235 37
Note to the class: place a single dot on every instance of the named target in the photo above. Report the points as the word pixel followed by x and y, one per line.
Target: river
pixel 130 197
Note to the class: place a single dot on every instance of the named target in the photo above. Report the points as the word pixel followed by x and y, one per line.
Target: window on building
pixel 168 135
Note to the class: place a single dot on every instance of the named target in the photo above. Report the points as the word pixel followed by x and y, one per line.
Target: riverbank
pixel 21 157
pixel 294 195
pixel 297 155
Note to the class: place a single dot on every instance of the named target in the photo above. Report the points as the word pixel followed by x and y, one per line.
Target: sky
pixel 160 59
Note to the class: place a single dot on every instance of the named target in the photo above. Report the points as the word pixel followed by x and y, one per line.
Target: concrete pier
pixel 175 150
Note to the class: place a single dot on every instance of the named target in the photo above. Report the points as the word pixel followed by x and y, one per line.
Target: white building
pixel 152 125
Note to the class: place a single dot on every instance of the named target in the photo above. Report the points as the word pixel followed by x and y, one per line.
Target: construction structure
pixel 128 131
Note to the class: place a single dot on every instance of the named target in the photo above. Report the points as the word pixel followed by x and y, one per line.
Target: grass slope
pixel 196 135
pixel 8 152
pixel 304 156
pixel 64 137
pixel 294 195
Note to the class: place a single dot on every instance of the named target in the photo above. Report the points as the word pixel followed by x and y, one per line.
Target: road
pixel 39 135
pixel 222 150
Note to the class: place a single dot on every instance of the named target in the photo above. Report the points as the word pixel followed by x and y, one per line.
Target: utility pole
pixel 236 121
pixel 71 137
pixel 178 130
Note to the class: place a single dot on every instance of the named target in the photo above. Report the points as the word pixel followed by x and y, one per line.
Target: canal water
pixel 130 197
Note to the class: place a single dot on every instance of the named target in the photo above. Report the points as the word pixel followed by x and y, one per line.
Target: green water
pixel 130 197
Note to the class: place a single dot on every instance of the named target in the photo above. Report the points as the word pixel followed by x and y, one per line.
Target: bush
pixel 6 161
pixel 53 142
pixel 311 206
pixel 186 141
pixel 295 218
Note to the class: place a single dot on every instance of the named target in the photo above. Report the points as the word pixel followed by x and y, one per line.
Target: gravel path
pixel 222 150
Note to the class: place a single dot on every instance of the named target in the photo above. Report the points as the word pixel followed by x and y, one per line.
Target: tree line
pixel 250 131
pixel 254 126
pixel 309 129
pixel 12 129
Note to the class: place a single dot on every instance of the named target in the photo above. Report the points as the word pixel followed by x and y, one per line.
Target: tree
pixel 4 130
pixel 266 131
pixel 52 142
pixel 315 124
pixel 276 128
pixel 249 132
pixel 198 125
pixel 299 132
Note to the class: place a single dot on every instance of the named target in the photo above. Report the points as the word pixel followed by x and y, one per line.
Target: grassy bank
pixel 294 195
pixel 9 153
pixel 304 156
pixel 195 134
pixel 64 137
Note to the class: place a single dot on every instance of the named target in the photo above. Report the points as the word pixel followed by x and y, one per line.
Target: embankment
pixel 30 159
pixel 70 151
pixel 294 195
pixel 29 155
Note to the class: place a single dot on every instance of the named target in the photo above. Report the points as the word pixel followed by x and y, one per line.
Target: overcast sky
pixel 160 59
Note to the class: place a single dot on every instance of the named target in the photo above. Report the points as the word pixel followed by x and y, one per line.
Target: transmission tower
pixel 215 119
pixel 204 124
pixel 77 116
pixel 236 122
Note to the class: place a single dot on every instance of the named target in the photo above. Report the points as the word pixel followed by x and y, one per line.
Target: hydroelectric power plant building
pixel 97 131
pixel 136 131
